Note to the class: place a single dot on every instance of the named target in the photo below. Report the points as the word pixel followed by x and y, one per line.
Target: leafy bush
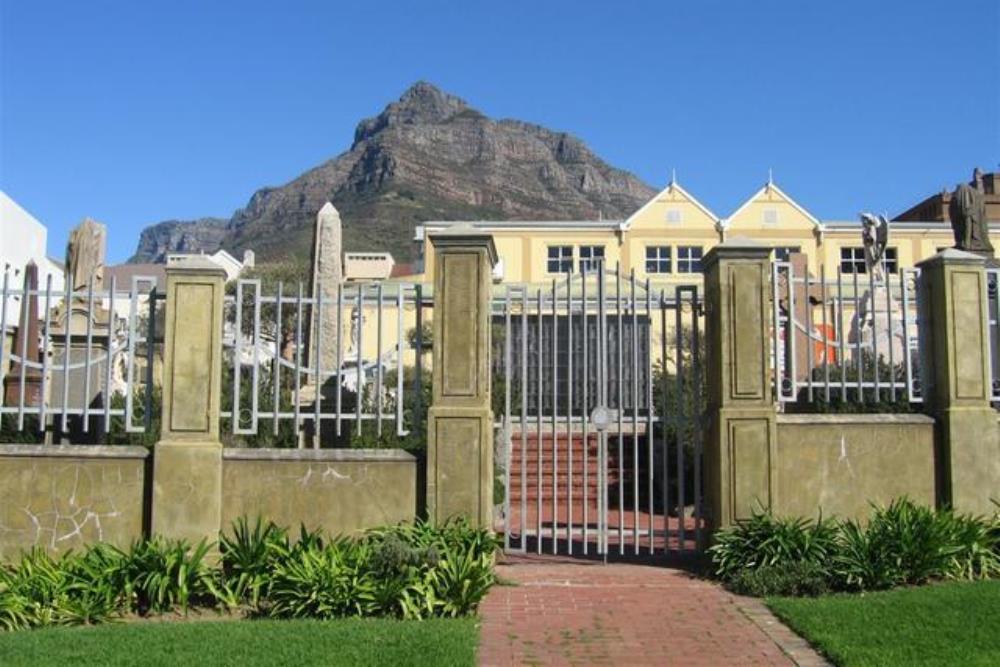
pixel 791 578
pixel 901 544
pixel 765 540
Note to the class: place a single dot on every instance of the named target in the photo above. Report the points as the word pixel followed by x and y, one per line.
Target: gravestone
pixel 25 347
pixel 79 319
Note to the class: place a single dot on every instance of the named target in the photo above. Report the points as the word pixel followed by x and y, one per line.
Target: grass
pixel 941 624
pixel 233 642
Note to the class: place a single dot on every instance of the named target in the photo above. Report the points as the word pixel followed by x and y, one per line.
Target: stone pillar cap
pixel 953 256
pixel 465 235
pixel 197 263
pixel 737 247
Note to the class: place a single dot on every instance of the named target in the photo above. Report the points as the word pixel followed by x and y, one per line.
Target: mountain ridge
pixel 427 156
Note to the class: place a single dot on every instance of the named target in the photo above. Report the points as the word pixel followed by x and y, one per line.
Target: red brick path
pixel 565 612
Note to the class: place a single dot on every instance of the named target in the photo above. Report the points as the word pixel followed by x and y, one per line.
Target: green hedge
pixel 407 571
pixel 902 544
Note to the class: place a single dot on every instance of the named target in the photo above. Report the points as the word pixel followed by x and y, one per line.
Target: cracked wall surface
pixel 337 496
pixel 63 503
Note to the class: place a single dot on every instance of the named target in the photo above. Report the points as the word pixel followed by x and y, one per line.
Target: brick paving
pixel 569 612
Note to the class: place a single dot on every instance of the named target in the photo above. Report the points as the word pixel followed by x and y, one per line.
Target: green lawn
pixel 941 624
pixel 236 642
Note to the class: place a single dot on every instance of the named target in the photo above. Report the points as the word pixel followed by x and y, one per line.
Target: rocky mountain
pixel 428 156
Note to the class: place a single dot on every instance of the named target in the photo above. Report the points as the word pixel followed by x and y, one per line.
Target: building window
pixel 782 253
pixel 591 256
pixel 770 216
pixel 688 259
pixel 658 259
pixel 852 260
pixel 673 216
pixel 560 259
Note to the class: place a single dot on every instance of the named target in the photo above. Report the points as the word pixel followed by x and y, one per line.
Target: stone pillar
pixel 741 435
pixel 187 461
pixel 460 428
pixel 956 361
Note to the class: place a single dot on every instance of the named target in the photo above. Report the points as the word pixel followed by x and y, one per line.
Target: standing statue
pixel 875 236
pixel 85 256
pixel 967 211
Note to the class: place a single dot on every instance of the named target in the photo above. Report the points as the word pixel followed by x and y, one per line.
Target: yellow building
pixel 667 237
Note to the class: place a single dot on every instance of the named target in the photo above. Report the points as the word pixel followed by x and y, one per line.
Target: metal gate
pixel 598 393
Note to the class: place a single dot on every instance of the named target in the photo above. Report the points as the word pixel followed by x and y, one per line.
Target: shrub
pixel 793 578
pixel 765 540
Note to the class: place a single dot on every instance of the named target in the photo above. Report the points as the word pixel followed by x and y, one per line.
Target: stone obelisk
pixel 327 275
pixel 25 348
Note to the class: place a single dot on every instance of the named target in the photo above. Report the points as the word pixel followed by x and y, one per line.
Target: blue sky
pixel 136 112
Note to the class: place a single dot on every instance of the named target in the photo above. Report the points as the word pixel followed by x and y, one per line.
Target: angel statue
pixel 875 235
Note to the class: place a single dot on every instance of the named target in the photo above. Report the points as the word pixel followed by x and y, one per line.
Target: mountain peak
pixel 421 103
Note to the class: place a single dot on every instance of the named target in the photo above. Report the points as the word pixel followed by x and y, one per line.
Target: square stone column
pixel 741 436
pixel 187 461
pixel 460 428
pixel 955 356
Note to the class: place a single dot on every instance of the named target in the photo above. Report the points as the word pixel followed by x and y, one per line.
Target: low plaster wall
pixel 337 490
pixel 63 497
pixel 838 464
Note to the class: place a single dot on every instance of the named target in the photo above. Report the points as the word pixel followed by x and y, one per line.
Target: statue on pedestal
pixel 967 211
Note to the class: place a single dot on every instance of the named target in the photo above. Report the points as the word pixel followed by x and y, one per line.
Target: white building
pixel 232 266
pixel 24 239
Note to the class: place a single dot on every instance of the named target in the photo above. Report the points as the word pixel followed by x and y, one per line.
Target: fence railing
pixel 79 364
pixel 993 305
pixel 849 339
pixel 348 364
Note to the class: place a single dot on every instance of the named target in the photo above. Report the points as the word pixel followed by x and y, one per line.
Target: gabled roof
pixel 770 186
pixel 672 187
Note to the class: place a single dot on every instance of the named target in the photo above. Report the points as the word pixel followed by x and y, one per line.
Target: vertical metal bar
pixel 810 335
pixel 237 357
pixel 507 375
pixel 649 412
pixel 621 406
pixel 633 307
pixel 826 338
pixel 569 413
pixel 276 373
pixel 298 366
pixel 399 361
pixel 360 377
pixel 3 332
pixel 793 375
pixel 680 419
pixel 106 426
pixel 255 378
pixel 891 337
pixel 150 338
pixel 875 357
pixel 538 434
pixel 418 362
pixel 339 400
pixel 907 353
pixel 664 413
pixel 585 407
pixel 857 337
pixel 776 332
pixel 67 354
pixel 318 366
pixel 133 304
pixel 602 387
pixel 696 422
pixel 378 362
pixel 23 322
pixel 87 355
pixel 45 354
pixel 524 420
pixel 555 420
pixel 841 334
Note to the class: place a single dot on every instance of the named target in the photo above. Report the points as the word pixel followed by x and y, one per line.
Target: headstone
pixel 25 348
pixel 80 319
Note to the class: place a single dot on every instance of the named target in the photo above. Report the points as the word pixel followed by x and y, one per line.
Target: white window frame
pixel 687 262
pixel 656 256
pixel 588 259
pixel 562 262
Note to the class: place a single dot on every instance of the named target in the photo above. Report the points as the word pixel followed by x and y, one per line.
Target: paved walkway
pixel 564 612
